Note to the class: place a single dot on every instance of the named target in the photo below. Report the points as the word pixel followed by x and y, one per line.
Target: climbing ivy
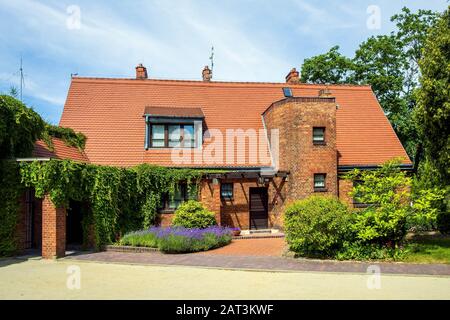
pixel 121 199
pixel 20 127
pixel 10 191
pixel 67 135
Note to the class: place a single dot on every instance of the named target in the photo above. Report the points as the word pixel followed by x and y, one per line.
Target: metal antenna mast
pixel 212 58
pixel 22 80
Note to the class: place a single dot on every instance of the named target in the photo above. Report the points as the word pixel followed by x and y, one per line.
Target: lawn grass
pixel 428 249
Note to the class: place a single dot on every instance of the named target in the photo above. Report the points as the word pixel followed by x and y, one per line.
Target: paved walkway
pixel 252 262
pixel 76 279
pixel 273 247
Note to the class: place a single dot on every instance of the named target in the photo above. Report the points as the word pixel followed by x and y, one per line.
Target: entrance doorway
pixel 74 229
pixel 32 221
pixel 258 208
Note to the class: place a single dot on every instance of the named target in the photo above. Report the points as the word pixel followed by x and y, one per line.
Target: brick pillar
pixel 216 203
pixel 53 230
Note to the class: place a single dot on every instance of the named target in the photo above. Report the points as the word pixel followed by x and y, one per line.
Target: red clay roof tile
pixel 60 151
pixel 109 112
pixel 174 112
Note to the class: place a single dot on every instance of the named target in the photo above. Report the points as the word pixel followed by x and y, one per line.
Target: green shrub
pixel 192 214
pixel 317 226
pixel 355 250
pixel 389 214
pixel 140 239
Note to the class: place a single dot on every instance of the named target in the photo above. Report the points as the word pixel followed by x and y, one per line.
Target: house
pixel 274 142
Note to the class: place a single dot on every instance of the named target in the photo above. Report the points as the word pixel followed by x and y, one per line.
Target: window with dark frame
pixel 182 193
pixel 319 182
pixel 226 191
pixel 318 135
pixel 172 135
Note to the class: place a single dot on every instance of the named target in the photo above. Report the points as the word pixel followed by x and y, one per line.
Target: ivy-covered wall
pixel 10 191
pixel 121 199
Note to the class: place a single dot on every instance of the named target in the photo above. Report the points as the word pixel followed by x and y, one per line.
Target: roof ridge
pixel 213 83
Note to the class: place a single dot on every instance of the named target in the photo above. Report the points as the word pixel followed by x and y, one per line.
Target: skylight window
pixel 287 92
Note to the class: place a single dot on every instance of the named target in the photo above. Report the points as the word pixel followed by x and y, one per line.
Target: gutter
pixel 31 159
pixel 406 167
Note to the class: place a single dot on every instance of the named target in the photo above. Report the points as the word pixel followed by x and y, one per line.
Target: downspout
pixel 268 143
pixel 146 142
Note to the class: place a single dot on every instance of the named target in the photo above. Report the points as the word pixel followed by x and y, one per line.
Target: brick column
pixel 53 230
pixel 216 203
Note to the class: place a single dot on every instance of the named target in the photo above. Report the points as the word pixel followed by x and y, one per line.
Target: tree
pixel 391 208
pixel 412 32
pixel 389 64
pixel 433 111
pixel 330 67
pixel 380 62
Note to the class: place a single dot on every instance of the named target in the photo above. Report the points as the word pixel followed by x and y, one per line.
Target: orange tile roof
pixel 174 112
pixel 110 113
pixel 61 151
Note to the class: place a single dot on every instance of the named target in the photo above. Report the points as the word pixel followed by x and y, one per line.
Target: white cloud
pixel 253 40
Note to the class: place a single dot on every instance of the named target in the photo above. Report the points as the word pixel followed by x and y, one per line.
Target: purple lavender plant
pixel 179 239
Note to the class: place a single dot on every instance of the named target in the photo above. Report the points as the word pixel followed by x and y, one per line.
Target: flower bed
pixel 179 239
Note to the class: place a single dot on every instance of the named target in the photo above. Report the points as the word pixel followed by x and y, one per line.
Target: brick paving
pixel 257 254
pixel 251 247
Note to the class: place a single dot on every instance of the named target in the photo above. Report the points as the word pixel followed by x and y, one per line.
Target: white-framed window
pixel 318 135
pixel 319 181
pixel 172 135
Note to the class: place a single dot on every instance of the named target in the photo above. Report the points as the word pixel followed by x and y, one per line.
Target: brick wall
pixel 295 120
pixel 53 230
pixel 235 212
pixel 345 186
pixel 164 219
pixel 209 195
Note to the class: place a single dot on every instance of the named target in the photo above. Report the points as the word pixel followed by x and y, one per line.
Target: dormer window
pixel 169 135
pixel 173 127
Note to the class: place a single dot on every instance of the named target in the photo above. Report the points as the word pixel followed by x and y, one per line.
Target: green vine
pixel 10 191
pixel 120 199
pixel 67 135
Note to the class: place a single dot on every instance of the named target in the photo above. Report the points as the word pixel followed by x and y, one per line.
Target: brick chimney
pixel 206 74
pixel 293 77
pixel 141 72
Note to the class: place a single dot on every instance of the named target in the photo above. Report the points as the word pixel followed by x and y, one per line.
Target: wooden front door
pixel 258 208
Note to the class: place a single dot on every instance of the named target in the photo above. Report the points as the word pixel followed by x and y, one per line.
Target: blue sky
pixel 253 40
